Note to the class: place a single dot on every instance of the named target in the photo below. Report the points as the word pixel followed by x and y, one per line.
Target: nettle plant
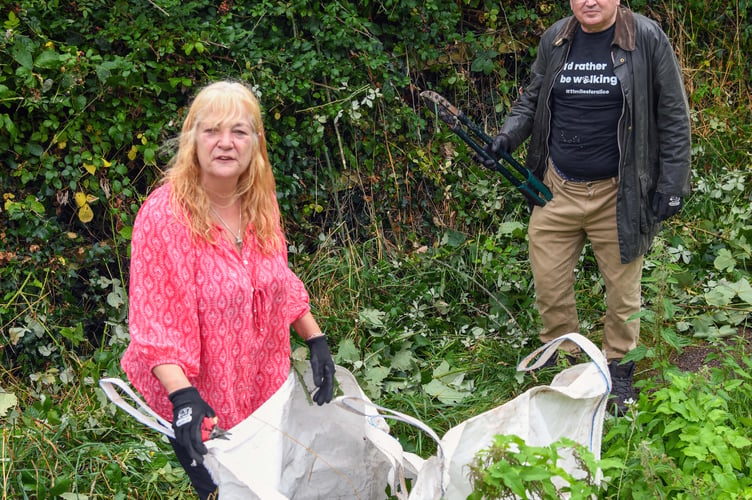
pixel 697 275
pixel 687 437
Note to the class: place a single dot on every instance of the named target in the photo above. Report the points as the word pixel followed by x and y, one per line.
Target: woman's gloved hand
pixel 322 367
pixel 188 412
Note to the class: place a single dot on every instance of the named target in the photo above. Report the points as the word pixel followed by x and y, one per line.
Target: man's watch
pixel 674 201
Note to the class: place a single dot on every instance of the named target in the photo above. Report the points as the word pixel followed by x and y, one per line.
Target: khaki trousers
pixel 557 234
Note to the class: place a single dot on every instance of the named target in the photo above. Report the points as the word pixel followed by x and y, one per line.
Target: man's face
pixel 595 15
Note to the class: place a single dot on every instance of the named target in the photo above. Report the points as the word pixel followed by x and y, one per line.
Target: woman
pixel 211 295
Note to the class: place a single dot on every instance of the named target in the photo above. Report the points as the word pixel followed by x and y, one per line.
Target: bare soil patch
pixel 694 357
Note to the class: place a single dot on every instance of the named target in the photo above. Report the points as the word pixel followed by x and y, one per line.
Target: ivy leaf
pixel 16 334
pixel 45 350
pixel 116 298
pixel 447 386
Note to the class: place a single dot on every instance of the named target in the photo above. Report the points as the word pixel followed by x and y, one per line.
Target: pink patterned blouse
pixel 224 318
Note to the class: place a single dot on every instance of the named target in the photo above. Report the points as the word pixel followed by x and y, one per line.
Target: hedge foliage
pixel 92 92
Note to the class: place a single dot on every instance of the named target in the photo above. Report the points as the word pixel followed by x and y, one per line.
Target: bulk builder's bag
pixel 291 448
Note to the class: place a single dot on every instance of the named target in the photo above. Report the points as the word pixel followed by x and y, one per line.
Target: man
pixel 608 120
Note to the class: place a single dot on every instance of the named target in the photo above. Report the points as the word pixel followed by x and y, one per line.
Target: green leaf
pixel 61 485
pixel 674 340
pixel 452 238
pixel 403 360
pixel 49 59
pixel 744 290
pixel 7 122
pixel 116 298
pixel 444 393
pixel 347 351
pixel 720 296
pixel 512 228
pixel 150 154
pixel 74 334
pixel 673 425
pixel 725 261
pixel 8 401
pixel 22 51
pixel 376 374
pixel 126 232
pixel 12 21
pixel 34 149
pixel 371 317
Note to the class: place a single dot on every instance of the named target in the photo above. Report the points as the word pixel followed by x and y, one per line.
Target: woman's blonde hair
pixel 256 188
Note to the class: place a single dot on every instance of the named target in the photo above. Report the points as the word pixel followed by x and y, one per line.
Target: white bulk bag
pixel 291 448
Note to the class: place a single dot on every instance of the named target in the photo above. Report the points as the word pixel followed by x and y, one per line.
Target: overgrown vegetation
pixel 685 439
pixel 415 257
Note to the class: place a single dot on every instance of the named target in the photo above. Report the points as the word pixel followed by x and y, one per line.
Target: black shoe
pixel 572 359
pixel 621 385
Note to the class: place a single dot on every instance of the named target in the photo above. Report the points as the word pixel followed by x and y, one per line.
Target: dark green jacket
pixel 654 130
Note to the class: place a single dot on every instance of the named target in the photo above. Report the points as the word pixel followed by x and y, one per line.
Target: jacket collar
pixel 624 33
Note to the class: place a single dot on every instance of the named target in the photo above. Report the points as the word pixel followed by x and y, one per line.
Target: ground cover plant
pixel 415 257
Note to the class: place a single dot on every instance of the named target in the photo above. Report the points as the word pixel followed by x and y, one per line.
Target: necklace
pixel 238 237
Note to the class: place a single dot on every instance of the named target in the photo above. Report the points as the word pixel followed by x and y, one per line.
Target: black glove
pixel 665 206
pixel 188 412
pixel 500 143
pixel 322 367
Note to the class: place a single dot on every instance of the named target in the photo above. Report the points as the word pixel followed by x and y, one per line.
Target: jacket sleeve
pixel 672 120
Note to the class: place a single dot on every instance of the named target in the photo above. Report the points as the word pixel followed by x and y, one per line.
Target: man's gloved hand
pixel 665 206
pixel 322 367
pixel 188 412
pixel 500 143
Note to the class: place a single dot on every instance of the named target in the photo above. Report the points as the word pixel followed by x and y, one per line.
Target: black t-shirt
pixel 586 106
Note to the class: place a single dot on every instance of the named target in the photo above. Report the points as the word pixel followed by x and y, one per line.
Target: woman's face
pixel 224 148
